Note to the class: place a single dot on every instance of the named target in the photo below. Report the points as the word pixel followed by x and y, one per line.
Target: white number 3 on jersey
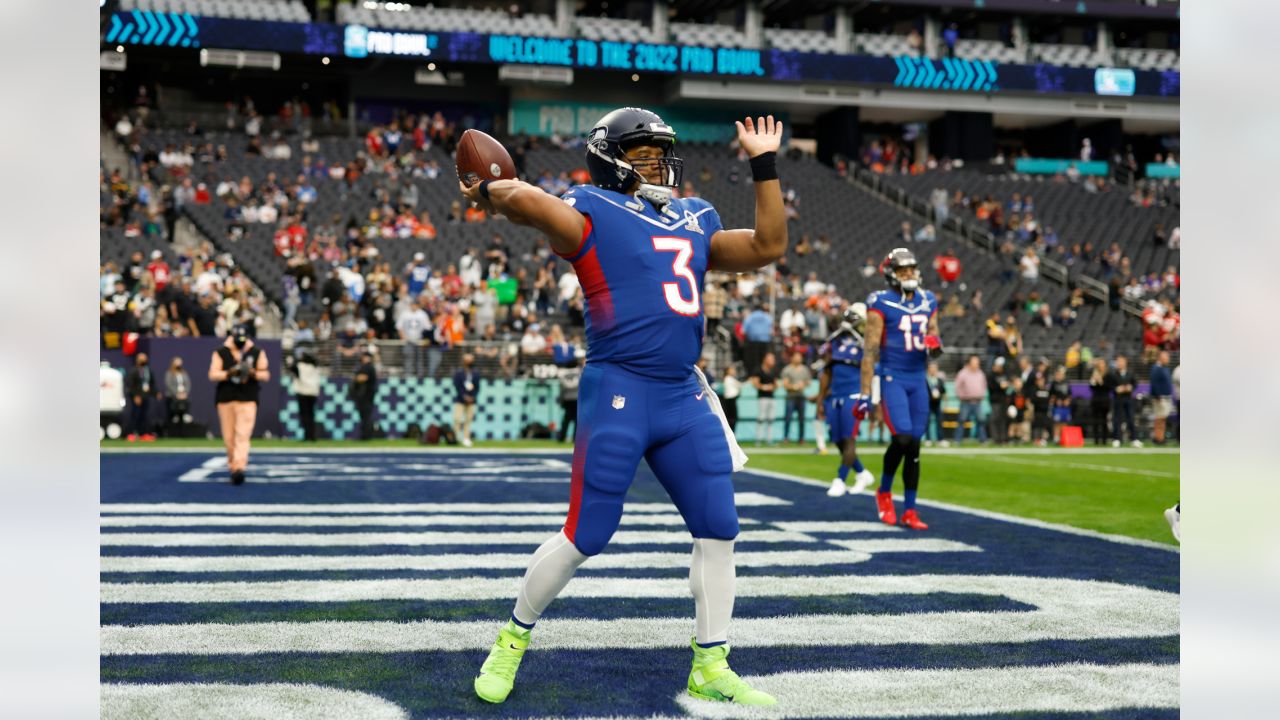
pixel 683 248
pixel 913 337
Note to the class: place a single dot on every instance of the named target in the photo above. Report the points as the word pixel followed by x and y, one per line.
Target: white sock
pixel 819 432
pixel 711 576
pixel 551 568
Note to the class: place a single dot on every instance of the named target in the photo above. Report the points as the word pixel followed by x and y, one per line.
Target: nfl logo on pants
pixel 619 402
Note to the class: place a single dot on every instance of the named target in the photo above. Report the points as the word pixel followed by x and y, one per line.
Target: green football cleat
pixel 711 679
pixel 498 674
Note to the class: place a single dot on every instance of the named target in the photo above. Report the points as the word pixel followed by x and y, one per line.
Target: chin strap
pixel 659 195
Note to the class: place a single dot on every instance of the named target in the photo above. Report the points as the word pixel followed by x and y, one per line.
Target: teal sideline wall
pixel 505 407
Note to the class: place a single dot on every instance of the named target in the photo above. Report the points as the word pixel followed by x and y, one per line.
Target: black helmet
pixel 896 259
pixel 620 131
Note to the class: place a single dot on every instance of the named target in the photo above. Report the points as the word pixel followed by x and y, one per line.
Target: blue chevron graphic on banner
pixel 170 29
pixel 946 74
pixel 155 27
pixel 164 28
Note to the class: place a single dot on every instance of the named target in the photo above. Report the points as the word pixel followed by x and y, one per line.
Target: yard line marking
pixel 742 499
pixel 1067 610
pixel 220 701
pixel 1075 687
pixel 494 561
pixel 837 526
pixel 857 551
pixel 1028 522
pixel 1086 466
pixel 549 521
pixel 232 539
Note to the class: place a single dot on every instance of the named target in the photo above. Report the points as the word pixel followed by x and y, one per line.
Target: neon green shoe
pixel 498 674
pixel 711 679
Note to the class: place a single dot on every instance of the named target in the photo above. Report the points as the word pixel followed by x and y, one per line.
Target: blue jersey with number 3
pixel 905 325
pixel 641 273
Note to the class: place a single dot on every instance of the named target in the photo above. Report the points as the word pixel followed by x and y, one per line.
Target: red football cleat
pixel 131 438
pixel 913 521
pixel 148 438
pixel 884 503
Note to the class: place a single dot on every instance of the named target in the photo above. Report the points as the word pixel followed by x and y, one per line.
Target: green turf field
pixel 1111 491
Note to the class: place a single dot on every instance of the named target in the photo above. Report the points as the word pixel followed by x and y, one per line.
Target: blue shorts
pixel 623 417
pixel 840 418
pixel 1062 414
pixel 904 400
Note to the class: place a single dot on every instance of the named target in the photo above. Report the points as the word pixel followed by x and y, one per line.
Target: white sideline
pixel 222 701
pixel 494 521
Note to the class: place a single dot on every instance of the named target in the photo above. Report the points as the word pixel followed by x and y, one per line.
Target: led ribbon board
pixel 169 29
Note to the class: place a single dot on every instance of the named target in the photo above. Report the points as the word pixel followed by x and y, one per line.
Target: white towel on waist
pixel 735 450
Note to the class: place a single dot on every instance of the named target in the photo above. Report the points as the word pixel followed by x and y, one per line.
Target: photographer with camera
pixel 239 367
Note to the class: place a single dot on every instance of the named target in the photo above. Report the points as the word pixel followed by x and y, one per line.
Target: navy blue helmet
pixel 620 131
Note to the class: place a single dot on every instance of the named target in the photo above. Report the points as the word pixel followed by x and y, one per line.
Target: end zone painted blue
pixel 564 682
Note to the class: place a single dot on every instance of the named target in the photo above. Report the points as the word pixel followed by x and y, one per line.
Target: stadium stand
pixel 876 44
pixel 987 50
pixel 1148 58
pixel 1068 55
pixel 447 19
pixel 613 30
pixel 278 10
pixel 801 40
pixel 843 227
pixel 707 34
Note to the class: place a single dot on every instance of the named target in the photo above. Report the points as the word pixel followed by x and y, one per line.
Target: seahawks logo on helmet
pixel 621 130
pixel 897 259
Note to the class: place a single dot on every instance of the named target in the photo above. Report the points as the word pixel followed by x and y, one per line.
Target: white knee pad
pixel 712 577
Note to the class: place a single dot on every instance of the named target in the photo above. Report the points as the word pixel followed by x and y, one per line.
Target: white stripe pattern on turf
pixel 494 521
pixel 1066 610
pixel 469 588
pixel 232 539
pixel 1076 687
pixel 742 499
pixel 220 701
pixel 858 551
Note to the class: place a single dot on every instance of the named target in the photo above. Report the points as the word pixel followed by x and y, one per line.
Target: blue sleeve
pixel 458 385
pixel 579 199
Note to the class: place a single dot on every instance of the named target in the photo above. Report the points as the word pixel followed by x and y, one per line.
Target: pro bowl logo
pixel 355 41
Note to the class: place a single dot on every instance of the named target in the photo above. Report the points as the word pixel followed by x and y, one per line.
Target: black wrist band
pixel 484 189
pixel 764 167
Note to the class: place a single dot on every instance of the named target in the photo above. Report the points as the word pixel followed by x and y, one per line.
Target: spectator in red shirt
pixel 451 283
pixel 159 270
pixel 948 267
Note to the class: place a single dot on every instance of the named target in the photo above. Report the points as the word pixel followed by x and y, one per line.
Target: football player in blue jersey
pixel 902 333
pixel 641 255
pixel 839 386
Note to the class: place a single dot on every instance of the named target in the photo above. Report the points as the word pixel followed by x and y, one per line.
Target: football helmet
pixel 854 318
pixel 621 130
pixel 897 259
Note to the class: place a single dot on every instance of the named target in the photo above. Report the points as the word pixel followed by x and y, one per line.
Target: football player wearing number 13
pixel 641 255
pixel 902 333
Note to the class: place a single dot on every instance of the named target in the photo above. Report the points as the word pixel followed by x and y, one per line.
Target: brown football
pixel 480 157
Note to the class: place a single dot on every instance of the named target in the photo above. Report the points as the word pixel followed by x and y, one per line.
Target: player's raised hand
pixel 762 135
pixel 472 193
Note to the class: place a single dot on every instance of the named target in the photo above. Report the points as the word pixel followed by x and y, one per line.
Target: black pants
pixel 1123 412
pixel 1042 424
pixel 365 408
pixel 307 416
pixel 752 355
pixel 570 408
pixel 730 412
pixel 138 422
pixel 795 406
pixel 1098 421
pixel 999 424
